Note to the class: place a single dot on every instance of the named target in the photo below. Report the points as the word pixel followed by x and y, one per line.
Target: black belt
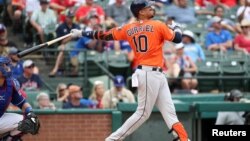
pixel 150 68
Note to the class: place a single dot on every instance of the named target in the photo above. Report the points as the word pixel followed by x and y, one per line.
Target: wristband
pixel 28 110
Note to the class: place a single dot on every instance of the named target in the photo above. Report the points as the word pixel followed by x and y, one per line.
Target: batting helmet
pixel 5 61
pixel 235 93
pixel 138 5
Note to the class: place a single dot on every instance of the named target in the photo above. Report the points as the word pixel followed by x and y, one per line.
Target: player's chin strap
pixel 179 132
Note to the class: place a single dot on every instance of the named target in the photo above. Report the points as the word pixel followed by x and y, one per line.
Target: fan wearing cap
pixel 117 94
pixel 16 62
pixel 5 44
pixel 44 20
pixel 68 43
pixel 183 66
pixel 192 49
pixel 231 117
pixel 242 41
pixel 219 39
pixel 76 98
pixel 29 80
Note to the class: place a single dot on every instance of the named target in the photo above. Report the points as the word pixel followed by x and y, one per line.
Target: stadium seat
pixel 236 56
pixel 206 72
pixel 232 69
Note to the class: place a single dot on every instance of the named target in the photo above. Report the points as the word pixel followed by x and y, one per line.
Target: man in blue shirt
pixel 219 39
pixel 9 93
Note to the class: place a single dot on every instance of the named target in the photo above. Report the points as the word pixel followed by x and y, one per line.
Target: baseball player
pixel 9 92
pixel 146 37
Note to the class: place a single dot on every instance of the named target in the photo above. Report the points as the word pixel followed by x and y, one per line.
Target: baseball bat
pixel 38 47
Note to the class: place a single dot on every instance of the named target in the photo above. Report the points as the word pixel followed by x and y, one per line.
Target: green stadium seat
pixel 236 56
pixel 213 56
pixel 206 72
pixel 232 69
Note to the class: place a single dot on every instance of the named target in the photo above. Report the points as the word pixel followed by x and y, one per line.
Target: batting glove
pixel 175 27
pixel 76 33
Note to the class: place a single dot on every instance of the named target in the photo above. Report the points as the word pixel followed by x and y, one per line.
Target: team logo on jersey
pixel 2 98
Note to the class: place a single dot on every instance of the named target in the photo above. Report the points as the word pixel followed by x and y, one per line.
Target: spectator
pixel 225 22
pixel 211 3
pixel 117 94
pixel 192 49
pixel 44 20
pixel 62 92
pixel 183 66
pixel 67 43
pixel 242 41
pixel 31 6
pixel 243 11
pixel 59 6
pixel 219 39
pixel 231 117
pixel 76 99
pixel 89 8
pixel 29 80
pixel 176 11
pixel 97 94
pixel 118 13
pixel 5 44
pixel 44 102
pixel 16 62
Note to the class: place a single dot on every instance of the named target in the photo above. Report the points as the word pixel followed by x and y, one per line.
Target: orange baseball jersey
pixel 146 39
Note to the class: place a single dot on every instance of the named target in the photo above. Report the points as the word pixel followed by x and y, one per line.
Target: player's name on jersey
pixel 142 28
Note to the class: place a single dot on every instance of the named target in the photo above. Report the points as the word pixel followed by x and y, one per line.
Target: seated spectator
pixel 243 11
pixel 44 20
pixel 97 94
pixel 76 99
pixel 231 117
pixel 62 93
pixel 118 93
pixel 5 43
pixel 44 102
pixel 67 43
pixel 118 13
pixel 16 62
pixel 225 22
pixel 176 11
pixel 183 66
pixel 59 6
pixel 192 49
pixel 242 41
pixel 219 39
pixel 29 80
pixel 87 9
pixel 211 3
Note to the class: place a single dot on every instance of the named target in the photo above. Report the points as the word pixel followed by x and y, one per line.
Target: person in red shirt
pixel 62 5
pixel 242 41
pixel 90 8
pixel 224 3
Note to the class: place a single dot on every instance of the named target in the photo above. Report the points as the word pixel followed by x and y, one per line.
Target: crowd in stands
pixel 208 25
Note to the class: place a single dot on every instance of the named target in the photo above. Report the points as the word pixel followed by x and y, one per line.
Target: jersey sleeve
pixel 17 98
pixel 167 33
pixel 119 33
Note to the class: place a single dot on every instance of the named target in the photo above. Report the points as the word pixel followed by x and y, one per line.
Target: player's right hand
pixel 76 33
pixel 175 27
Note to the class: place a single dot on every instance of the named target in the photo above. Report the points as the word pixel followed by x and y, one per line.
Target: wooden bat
pixel 38 47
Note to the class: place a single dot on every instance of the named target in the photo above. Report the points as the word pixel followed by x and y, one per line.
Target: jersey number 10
pixel 141 43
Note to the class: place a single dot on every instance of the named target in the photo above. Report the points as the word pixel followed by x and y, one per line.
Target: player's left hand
pixel 76 33
pixel 175 27
pixel 30 124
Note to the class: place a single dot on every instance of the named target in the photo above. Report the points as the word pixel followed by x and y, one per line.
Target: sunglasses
pixel 60 90
pixel 30 67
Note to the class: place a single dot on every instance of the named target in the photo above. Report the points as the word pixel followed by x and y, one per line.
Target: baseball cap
pixel 2 28
pixel 215 19
pixel 179 46
pixel 189 34
pixel 119 81
pixel 28 63
pixel 69 13
pixel 13 50
pixel 74 88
